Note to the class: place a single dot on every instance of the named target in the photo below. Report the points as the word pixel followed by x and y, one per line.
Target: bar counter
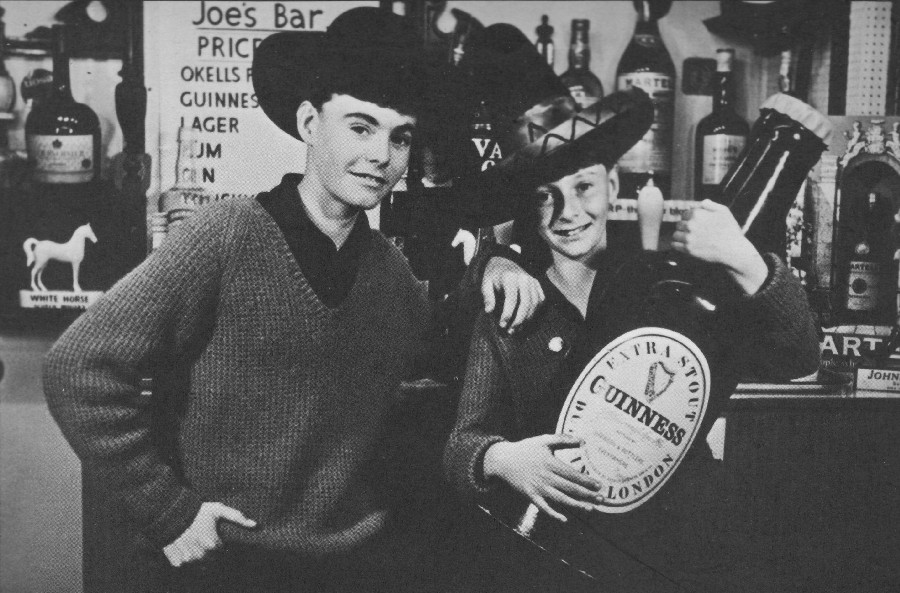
pixel 809 487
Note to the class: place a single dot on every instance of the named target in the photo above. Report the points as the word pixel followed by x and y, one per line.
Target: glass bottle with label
pixel 721 135
pixel 870 296
pixel 544 41
pixel 62 136
pixel 186 195
pixel 584 87
pixel 646 64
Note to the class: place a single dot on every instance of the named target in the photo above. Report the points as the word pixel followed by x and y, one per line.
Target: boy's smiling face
pixel 578 231
pixel 358 150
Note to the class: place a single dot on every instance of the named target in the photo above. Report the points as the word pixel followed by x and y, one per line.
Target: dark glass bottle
pixel 187 194
pixel 62 136
pixel 646 64
pixel 721 135
pixel 544 41
pixel 584 87
pixel 869 295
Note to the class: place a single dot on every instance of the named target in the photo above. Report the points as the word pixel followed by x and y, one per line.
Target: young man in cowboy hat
pixel 557 183
pixel 278 331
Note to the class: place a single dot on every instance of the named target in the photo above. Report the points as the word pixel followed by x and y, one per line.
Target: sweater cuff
pixel 777 294
pixel 475 472
pixel 169 525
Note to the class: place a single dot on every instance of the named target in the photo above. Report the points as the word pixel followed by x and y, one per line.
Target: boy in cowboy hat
pixel 557 182
pixel 279 330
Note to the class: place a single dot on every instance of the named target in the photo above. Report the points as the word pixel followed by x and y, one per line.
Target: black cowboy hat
pixel 367 52
pixel 541 135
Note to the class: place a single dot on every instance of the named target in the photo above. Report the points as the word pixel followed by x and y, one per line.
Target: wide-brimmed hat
pixel 367 52
pixel 541 135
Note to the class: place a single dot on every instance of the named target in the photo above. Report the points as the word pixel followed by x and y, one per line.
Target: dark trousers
pixel 243 570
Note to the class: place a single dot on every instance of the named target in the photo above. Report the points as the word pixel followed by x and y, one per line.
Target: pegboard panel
pixel 867 62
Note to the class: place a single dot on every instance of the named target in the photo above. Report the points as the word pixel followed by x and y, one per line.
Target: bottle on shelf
pixel 187 194
pixel 544 41
pixel 583 85
pixel 869 298
pixel 646 64
pixel 721 135
pixel 62 136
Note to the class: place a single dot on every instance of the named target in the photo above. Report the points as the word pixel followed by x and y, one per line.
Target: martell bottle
pixel 584 87
pixel 721 135
pixel 62 136
pixel 647 64
pixel 544 41
pixel 869 296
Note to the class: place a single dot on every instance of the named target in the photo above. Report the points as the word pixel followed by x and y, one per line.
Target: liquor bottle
pixel 62 136
pixel 869 290
pixel 584 87
pixel 7 84
pixel 186 195
pixel 544 41
pixel 647 64
pixel 721 135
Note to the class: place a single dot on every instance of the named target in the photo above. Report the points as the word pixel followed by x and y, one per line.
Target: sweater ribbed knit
pixel 277 403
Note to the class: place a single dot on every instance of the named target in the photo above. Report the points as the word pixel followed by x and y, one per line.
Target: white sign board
pixel 198 58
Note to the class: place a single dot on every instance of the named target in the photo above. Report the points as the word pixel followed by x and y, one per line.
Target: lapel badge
pixel 555 344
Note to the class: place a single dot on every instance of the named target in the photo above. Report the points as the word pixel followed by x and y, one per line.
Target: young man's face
pixel 579 231
pixel 358 150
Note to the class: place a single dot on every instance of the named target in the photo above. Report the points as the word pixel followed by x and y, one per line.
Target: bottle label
pixel 637 406
pixel 720 152
pixel 863 286
pixel 62 159
pixel 581 96
pixel 653 152
pixel 489 153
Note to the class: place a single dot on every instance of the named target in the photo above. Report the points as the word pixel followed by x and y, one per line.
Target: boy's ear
pixel 612 178
pixel 307 121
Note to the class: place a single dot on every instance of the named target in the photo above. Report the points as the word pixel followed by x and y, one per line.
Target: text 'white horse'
pixel 38 253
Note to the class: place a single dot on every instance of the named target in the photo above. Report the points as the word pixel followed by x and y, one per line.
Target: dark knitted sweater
pixel 275 404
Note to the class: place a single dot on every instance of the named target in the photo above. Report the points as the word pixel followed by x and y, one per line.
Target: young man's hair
pixel 383 95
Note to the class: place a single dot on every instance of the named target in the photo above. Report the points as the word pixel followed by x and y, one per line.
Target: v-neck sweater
pixel 276 402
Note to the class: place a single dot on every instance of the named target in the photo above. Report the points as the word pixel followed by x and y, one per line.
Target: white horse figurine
pixel 41 252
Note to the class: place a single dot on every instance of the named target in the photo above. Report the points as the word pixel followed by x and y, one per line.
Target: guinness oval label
pixel 638 406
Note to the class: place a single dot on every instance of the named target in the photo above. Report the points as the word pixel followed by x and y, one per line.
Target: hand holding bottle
pixel 530 467
pixel 710 233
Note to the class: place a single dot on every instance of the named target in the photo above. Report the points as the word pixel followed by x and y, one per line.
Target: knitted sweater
pixel 274 404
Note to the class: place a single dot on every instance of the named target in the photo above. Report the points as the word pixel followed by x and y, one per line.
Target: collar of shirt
pixel 330 271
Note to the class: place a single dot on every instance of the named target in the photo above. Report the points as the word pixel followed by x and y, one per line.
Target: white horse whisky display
pixel 39 253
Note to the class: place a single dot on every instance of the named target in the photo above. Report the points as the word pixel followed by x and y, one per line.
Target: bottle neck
pixel 185 169
pixel 62 88
pixel 579 51
pixel 723 98
pixel 646 31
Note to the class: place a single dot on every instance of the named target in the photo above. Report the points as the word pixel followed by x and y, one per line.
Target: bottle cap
pixel 724 58
pixel 802 113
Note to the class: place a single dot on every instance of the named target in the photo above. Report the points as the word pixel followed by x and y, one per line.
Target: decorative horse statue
pixel 39 253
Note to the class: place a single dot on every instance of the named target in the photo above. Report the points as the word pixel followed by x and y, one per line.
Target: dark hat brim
pixel 598 135
pixel 285 70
